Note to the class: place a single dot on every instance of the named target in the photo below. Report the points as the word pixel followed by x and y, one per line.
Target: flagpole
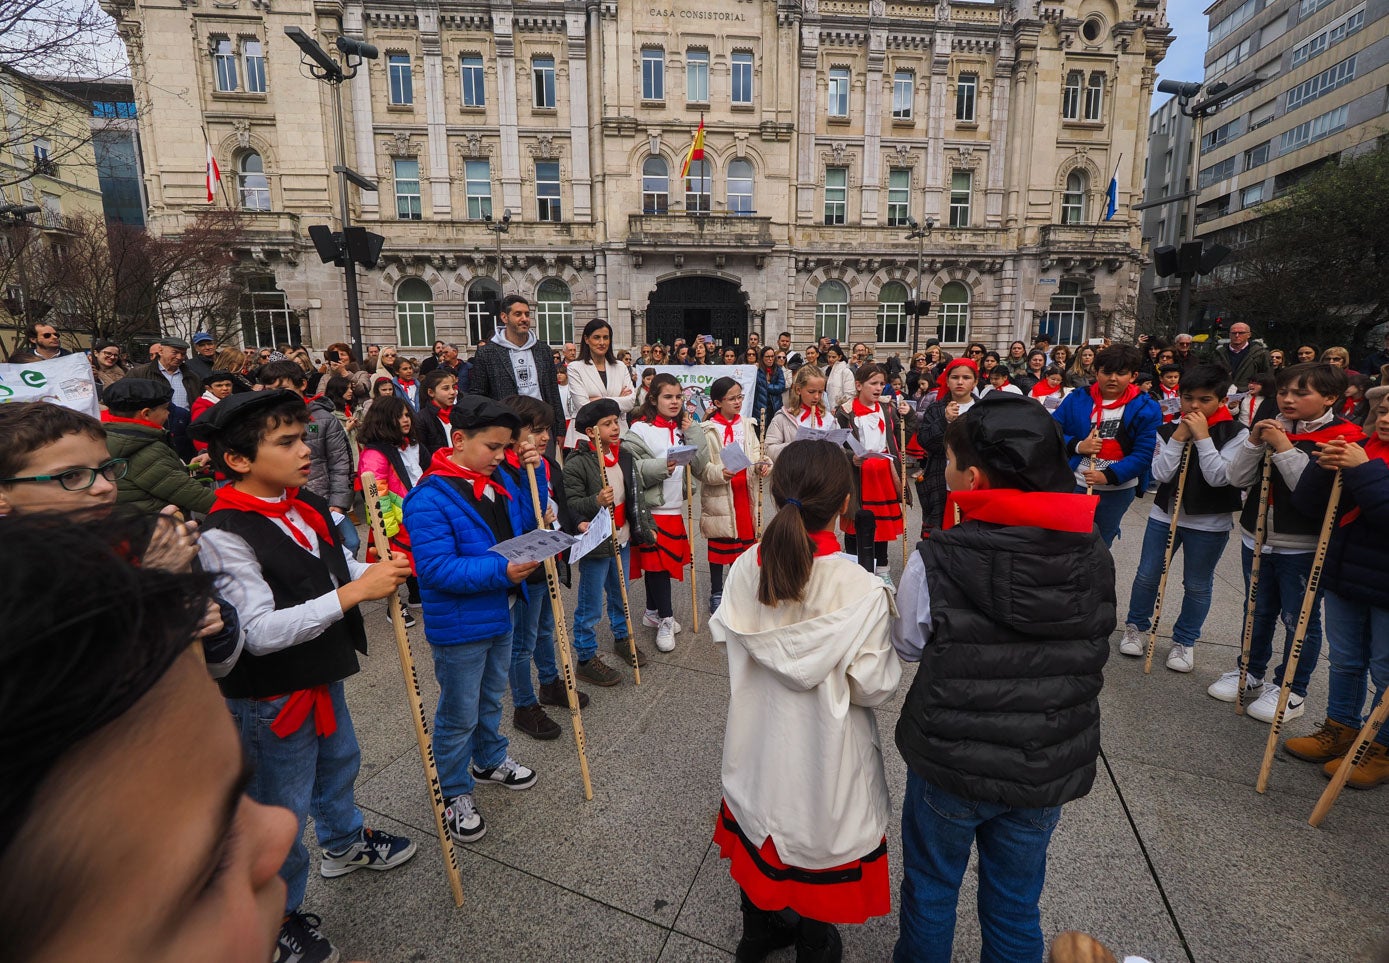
pixel 221 181
pixel 1104 211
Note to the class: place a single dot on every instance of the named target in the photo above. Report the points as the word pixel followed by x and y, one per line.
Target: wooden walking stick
pixel 566 660
pixel 1167 555
pixel 902 467
pixel 1351 760
pixel 761 433
pixel 1309 601
pixel 617 556
pixel 372 496
pixel 689 515
pixel 1260 536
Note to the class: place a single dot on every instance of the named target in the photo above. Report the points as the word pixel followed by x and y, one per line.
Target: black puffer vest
pixel 1005 707
pixel 1199 497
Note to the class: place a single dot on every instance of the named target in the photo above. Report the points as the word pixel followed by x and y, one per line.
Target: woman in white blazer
pixel 839 378
pixel 598 374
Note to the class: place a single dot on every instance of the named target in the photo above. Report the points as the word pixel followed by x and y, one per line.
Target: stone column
pixel 580 173
pixel 873 127
pixel 507 104
pixel 439 178
pixel 363 126
pixel 806 174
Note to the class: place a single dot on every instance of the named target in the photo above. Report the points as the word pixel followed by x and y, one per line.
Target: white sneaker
pixel 1226 688
pixel 508 773
pixel 665 634
pixel 884 572
pixel 1265 707
pixel 1134 641
pixel 463 820
pixel 652 620
pixel 1181 658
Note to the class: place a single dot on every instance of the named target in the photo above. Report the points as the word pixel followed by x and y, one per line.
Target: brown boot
pixel 1372 771
pixel 1331 741
pixel 553 694
pixel 533 721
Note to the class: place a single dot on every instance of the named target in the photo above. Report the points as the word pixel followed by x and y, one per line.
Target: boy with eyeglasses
pixel 55 460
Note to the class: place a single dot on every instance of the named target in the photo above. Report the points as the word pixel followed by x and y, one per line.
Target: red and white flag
pixel 214 174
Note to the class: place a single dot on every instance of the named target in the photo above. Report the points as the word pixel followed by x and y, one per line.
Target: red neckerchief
pixel 445 414
pixel 407 384
pixel 1348 407
pixel 1171 392
pixel 727 425
pixel 1336 428
pixel 442 464
pixel 1043 388
pixel 229 498
pixel 110 419
pixel 1375 449
pixel 941 382
pixel 1052 511
pixel 819 416
pixel 1130 393
pixel 661 421
pixel 1221 414
pixel 610 454
pixel 822 542
pixel 861 410
pixel 609 458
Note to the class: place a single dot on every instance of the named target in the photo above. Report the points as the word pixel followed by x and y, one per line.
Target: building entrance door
pixel 690 306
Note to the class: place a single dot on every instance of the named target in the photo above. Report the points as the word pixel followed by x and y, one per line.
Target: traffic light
pixel 361 245
pixel 916 309
pixel 1193 258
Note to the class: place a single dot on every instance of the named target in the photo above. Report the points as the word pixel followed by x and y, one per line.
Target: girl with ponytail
pixel 805 804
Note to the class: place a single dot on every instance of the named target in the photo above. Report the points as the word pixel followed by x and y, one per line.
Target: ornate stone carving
pixel 401 144
pixel 243 132
pixel 901 156
pixel 545 148
pixel 474 146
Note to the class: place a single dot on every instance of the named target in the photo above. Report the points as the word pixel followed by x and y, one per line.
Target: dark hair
pixel 243 437
pixel 1036 353
pixel 648 411
pixel 867 371
pixel 273 371
pixel 381 424
pixel 1023 344
pixel 1118 358
pixel 585 354
pixel 818 476
pixel 434 379
pixel 1169 368
pixel 1324 379
pixel 1264 380
pixel 71 672
pixel 835 347
pixel 508 301
pixel 533 411
pixel 998 358
pixel 1203 377
pixel 28 426
pixel 1316 353
pixel 720 388
pixel 335 389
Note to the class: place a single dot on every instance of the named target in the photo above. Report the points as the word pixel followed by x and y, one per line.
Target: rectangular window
pixel 1256 156
pixel 402 81
pixel 653 73
pixel 899 185
pixel 1331 35
pixel 892 322
pixel 1313 130
pixel 903 93
pixel 655 187
pixel 742 77
pixel 1308 7
pixel 1070 95
pixel 697 76
pixel 1323 83
pixel 836 194
pixel 474 78
pixel 961 185
pixel 1240 15
pixel 253 57
pixel 1262 114
pixel 965 88
pixel 547 190
pixel 543 71
pixel 1094 97
pixel 1216 173
pixel 1231 57
pixel 1354 23
pixel 1251 195
pixel 224 61
pixel 839 92
pixel 1222 134
pixel 407 188
pixel 477 179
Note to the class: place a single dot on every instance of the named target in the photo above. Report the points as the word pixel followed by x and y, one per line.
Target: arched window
pixel 251 183
pixel 740 187
pixel 1065 321
pixel 414 314
pixel 655 186
pixel 832 311
pixel 954 314
pixel 1070 95
pixel 554 312
pixel 698 186
pixel 484 297
pixel 1073 200
pixel 892 315
pixel 1094 97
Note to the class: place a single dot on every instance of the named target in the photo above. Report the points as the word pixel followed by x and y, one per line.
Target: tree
pixel 1315 268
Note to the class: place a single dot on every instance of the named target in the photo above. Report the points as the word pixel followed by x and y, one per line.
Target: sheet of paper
pixel 835 436
pixel 1051 402
pixel 734 458
pixel 600 529
pixel 1170 406
pixel 534 546
pixel 857 448
pixel 681 454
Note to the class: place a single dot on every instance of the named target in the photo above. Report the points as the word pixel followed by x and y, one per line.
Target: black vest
pixel 295 576
pixel 1005 706
pixel 1199 497
pixel 1283 517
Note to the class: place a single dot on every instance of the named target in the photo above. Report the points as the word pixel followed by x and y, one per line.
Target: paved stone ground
pixel 1173 856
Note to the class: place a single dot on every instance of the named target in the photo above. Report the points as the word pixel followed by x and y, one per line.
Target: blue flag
pixel 1112 204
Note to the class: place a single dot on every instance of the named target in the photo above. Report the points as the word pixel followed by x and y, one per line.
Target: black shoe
pixel 623 649
pixel 406 616
pixel 818 943
pixel 553 694
pixel 533 721
pixel 764 932
pixel 301 942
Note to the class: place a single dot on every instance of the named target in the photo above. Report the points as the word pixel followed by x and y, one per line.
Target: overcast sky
pixel 1185 59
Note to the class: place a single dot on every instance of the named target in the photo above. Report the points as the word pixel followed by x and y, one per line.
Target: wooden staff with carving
pixel 1260 536
pixel 617 556
pixel 1182 471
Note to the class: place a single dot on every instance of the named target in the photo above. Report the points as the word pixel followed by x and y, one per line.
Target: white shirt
pixel 175 380
pixel 1109 428
pixel 911 629
pixel 1213 463
pixel 872 428
pixel 410 454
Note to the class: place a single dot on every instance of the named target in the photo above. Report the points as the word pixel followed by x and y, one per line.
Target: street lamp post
pixel 498 229
pixel 918 305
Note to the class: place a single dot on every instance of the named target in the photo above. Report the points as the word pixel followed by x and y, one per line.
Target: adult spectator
pixel 516 362
pixel 202 362
pixel 452 360
pixel 755 343
pixel 1373 363
pixel 106 364
pixel 1338 357
pixel 40 344
pixel 171 367
pixel 432 362
pixel 794 359
pixel 373 352
pixel 1016 360
pixel 596 374
pixel 386 360
pixel 571 352
pixel 1182 354
pixel 771 386
pixel 1242 357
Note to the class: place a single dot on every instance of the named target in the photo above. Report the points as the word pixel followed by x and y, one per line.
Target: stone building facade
pixel 828 123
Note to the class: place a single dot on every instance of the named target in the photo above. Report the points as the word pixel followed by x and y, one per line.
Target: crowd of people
pixel 227 488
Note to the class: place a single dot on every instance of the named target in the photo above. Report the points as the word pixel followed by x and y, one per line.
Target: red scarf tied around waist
pixel 1110 449
pixel 442 464
pixel 229 498
pixel 862 411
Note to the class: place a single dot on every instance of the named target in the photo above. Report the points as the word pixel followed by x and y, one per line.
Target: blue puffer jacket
pixel 768 398
pixel 463 585
pixel 1137 434
pixel 1358 554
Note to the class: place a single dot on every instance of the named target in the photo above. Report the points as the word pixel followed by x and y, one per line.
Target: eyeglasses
pixel 78 479
pixel 976 350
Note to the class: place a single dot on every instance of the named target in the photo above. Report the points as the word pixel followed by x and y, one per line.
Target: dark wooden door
pixel 691 306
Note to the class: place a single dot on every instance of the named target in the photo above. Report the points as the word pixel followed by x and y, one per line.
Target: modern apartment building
pixel 1166 175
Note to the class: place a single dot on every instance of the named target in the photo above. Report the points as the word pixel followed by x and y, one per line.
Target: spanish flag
pixel 696 150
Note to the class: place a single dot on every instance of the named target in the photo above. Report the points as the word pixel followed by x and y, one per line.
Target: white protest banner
pixel 699 377
pixel 65 381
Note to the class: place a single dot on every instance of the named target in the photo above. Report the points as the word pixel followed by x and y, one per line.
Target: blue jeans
pixel 305 773
pixel 1202 551
pixel 938 831
pixel 348 533
pixel 1109 514
pixel 1282 584
pixel 467 722
pixel 533 633
pixel 598 576
pixel 1357 644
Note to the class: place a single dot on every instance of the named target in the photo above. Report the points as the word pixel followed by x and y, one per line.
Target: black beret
pixel 595 411
pixel 215 377
pixel 132 394
pixel 231 410
pixel 1020 444
pixel 472 412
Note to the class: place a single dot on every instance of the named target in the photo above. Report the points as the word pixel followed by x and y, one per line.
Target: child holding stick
pixel 805 799
pixel 1205 518
pixel 805 405
pixel 877 486
pixel 725 497
pixel 389 451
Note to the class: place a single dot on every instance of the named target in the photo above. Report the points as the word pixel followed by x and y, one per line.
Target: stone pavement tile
pixel 376 695
pixel 1249 880
pixel 407 915
pixel 682 949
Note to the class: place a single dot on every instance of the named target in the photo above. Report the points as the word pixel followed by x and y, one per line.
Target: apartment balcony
pixel 1098 238
pixel 718 231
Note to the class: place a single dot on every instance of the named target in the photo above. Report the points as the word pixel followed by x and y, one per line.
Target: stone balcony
pixel 1098 238
pixel 709 232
